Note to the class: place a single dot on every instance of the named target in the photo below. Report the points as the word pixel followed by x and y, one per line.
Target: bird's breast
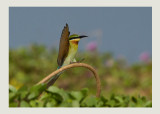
pixel 71 54
pixel 75 42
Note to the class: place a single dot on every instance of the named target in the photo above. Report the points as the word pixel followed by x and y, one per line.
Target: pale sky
pixel 123 31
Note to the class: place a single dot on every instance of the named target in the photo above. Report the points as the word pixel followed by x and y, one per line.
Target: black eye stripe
pixel 73 38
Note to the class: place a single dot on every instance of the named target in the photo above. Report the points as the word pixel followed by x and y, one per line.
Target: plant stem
pixel 98 84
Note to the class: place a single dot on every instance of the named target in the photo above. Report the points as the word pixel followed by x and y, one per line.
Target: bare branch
pixel 98 84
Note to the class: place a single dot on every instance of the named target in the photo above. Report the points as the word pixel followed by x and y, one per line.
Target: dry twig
pixel 44 80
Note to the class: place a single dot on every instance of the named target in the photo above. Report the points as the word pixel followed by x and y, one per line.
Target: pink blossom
pixel 144 57
pixel 92 46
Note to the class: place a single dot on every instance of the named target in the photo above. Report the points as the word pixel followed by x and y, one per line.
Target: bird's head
pixel 74 38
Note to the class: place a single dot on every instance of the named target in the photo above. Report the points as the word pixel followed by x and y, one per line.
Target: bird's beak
pixel 83 36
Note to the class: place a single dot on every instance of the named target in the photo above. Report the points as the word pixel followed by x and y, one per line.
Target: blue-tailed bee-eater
pixel 68 47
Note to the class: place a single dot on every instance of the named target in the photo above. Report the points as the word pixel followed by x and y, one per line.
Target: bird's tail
pixel 53 79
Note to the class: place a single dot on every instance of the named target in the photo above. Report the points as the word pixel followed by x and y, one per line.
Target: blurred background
pixel 119 46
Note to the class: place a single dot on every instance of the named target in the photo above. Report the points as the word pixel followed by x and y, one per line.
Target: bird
pixel 68 47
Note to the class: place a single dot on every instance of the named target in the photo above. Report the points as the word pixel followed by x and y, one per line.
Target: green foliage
pixel 122 84
pixel 56 97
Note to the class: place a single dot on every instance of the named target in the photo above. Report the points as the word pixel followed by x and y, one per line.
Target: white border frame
pixel 4 66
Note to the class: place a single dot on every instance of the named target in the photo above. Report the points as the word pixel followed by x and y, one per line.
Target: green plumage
pixel 67 50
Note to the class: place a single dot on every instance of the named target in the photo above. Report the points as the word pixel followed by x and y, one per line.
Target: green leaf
pixel 36 90
pixel 100 104
pixel 75 103
pixel 24 94
pixel 77 95
pixel 51 103
pixel 33 95
pixel 148 104
pixel 111 103
pixel 45 96
pixel 66 104
pixel 58 94
pixel 119 99
pixel 12 96
pixel 89 101
pixel 23 88
pixel 13 104
pixel 84 91
pixel 126 100
pixel 102 98
pixel 12 89
pixel 134 99
pixel 55 93
pixel 57 97
pixel 24 104
pixel 36 103
pixel 53 89
pixel 33 103
pixel 39 88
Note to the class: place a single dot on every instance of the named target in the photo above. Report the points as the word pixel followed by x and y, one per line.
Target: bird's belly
pixel 70 57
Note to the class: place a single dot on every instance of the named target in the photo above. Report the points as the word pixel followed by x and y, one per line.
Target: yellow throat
pixel 73 47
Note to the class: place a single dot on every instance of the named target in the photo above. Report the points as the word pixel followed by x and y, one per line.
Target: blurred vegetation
pixel 55 97
pixel 122 84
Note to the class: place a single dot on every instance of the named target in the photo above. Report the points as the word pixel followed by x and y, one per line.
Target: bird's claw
pixel 81 60
pixel 78 61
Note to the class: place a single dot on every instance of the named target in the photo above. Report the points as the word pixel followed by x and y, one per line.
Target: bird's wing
pixel 63 46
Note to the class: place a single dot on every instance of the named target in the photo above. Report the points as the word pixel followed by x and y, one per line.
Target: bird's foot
pixel 73 62
pixel 78 61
